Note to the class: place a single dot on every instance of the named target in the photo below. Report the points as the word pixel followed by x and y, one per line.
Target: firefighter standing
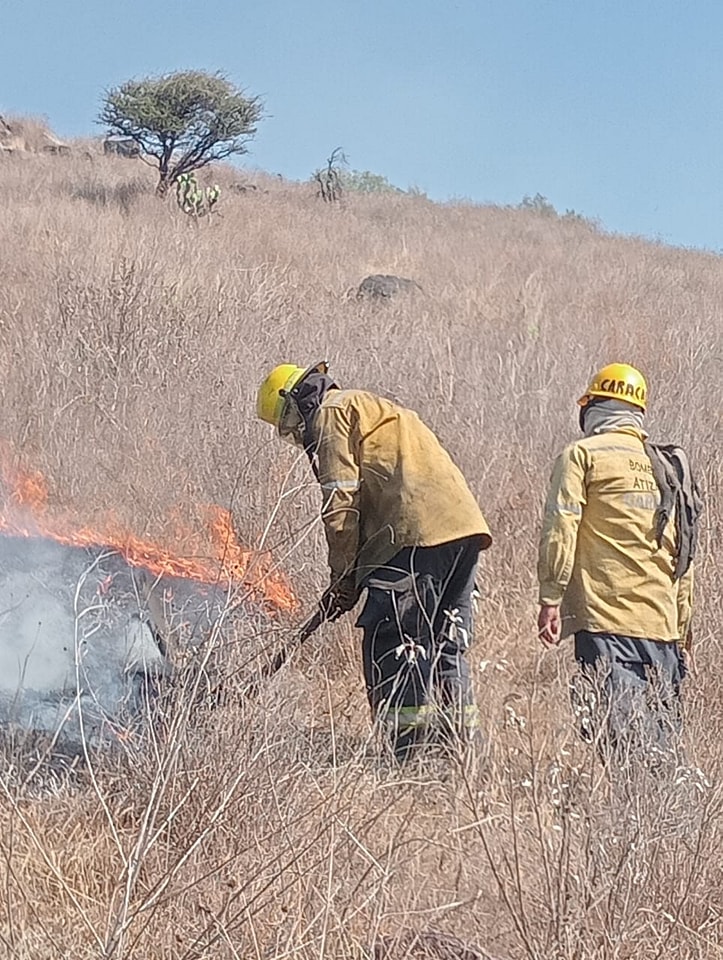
pixel 401 523
pixel 615 568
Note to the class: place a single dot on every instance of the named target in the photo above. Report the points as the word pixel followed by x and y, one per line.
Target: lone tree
pixel 183 120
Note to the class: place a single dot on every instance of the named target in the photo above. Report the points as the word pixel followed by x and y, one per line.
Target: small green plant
pixel 193 200
pixel 543 208
pixel 364 181
pixel 576 217
pixel 416 191
pixel 539 205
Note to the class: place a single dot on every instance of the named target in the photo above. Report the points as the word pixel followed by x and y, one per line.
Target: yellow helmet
pixel 271 398
pixel 617 381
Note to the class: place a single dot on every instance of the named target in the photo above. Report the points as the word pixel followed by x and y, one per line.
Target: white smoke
pixel 72 637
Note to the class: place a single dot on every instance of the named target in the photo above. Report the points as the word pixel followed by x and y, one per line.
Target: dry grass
pixel 27 134
pixel 132 345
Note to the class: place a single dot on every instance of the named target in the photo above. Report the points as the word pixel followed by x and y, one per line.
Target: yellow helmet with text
pixel 617 381
pixel 273 392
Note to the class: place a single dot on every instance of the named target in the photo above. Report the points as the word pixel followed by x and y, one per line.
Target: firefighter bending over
pixel 615 569
pixel 401 523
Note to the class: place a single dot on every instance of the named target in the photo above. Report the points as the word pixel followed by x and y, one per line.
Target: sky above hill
pixel 608 107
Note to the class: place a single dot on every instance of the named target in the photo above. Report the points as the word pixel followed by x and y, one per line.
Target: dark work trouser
pixel 627 694
pixel 417 623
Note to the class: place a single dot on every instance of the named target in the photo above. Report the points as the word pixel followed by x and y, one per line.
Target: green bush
pixel 364 181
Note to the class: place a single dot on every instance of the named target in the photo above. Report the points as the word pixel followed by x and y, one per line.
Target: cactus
pixel 194 200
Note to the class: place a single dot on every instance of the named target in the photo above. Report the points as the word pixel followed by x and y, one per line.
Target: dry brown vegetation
pixel 22 136
pixel 132 343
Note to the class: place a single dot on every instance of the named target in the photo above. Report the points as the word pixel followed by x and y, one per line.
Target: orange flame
pixel 216 557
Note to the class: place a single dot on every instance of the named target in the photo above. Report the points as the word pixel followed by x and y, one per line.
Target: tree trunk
pixel 164 172
pixel 163 186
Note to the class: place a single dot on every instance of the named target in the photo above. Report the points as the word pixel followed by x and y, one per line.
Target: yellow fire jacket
pixel 598 554
pixel 387 484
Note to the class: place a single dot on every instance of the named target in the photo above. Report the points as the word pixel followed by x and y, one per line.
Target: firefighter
pixel 402 524
pixel 615 568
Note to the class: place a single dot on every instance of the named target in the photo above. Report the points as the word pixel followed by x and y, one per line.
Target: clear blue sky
pixel 610 107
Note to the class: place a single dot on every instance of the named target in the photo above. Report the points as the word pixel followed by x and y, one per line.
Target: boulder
pixel 125 147
pixel 27 136
pixel 383 286
pixel 53 145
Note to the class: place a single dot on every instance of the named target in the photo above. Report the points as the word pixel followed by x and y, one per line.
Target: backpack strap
pixel 679 498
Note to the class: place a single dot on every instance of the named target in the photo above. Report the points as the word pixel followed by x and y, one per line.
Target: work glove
pixel 338 600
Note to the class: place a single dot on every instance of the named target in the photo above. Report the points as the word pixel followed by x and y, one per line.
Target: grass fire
pixel 212 555
pixel 93 617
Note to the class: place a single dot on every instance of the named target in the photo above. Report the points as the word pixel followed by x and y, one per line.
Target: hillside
pixel 133 343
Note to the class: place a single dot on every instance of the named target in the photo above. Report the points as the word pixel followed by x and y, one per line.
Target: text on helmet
pixel 623 389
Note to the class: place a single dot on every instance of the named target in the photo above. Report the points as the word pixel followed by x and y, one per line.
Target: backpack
pixel 679 497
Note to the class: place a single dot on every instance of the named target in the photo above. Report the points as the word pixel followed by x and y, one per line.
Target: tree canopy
pixel 182 120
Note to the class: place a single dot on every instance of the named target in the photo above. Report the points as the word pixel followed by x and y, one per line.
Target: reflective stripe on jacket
pixel 387 483
pixel 598 553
